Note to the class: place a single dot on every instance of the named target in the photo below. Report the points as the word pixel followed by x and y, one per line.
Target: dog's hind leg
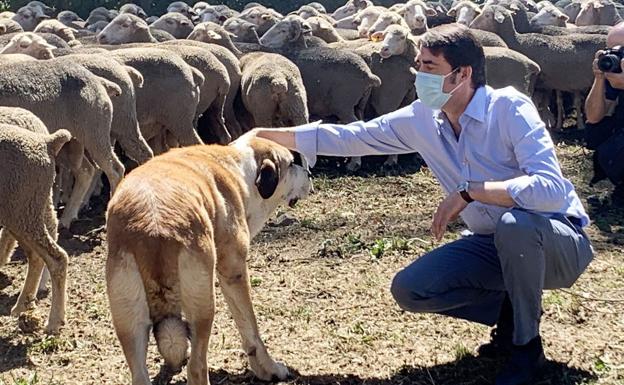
pixel 234 281
pixel 130 313
pixel 196 272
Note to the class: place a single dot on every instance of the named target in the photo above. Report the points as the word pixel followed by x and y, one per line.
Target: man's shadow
pixel 469 370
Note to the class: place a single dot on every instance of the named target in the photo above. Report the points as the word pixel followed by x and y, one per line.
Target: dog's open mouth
pixel 293 202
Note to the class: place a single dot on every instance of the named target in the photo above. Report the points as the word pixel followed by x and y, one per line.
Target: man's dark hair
pixel 459 47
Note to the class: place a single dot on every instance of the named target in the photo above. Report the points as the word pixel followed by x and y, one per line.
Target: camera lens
pixel 609 63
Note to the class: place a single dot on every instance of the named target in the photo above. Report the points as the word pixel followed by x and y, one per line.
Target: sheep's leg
pixel 346 117
pixel 26 299
pixel 7 245
pixel 578 107
pixel 94 190
pixel 135 147
pixel 83 174
pixel 355 163
pixel 560 111
pixel 392 161
pixel 51 224
pixel 185 133
pixel 102 154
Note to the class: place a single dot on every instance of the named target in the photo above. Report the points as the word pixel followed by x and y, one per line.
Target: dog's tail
pixel 172 339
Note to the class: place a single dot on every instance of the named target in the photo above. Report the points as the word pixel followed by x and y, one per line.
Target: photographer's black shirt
pixel 598 133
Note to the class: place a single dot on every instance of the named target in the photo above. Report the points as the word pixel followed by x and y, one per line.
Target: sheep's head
pixel 261 16
pixel 395 41
pixel 68 17
pixel 491 18
pixel 307 12
pixel 183 8
pixel 464 12
pixel 572 10
pixel 57 28
pixel 200 6
pixel 589 13
pixel 549 16
pixel 133 9
pixel 41 6
pixel 385 20
pixel 7 15
pixel 211 33
pixel 9 26
pixel 211 14
pixel 365 19
pixel 125 28
pixel 29 17
pixel 415 13
pixel 350 8
pixel 31 44
pixel 98 26
pixel 176 24
pixel 242 30
pixel 291 29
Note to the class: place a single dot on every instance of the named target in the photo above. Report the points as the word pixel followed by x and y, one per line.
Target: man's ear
pixel 267 179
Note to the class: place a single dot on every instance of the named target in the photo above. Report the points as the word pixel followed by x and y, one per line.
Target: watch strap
pixel 464 194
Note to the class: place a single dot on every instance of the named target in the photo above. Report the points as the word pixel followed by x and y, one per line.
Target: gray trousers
pixel 468 278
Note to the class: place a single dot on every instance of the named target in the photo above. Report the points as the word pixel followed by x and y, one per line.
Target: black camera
pixel 609 60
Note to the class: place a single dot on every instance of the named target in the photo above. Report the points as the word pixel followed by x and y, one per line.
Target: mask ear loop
pixel 456 87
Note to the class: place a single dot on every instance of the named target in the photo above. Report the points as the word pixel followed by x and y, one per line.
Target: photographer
pixel 604 108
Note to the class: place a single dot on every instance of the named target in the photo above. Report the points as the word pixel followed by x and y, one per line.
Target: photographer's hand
pixel 597 72
pixel 616 79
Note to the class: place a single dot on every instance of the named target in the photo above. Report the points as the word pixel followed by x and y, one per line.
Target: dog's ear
pixel 267 179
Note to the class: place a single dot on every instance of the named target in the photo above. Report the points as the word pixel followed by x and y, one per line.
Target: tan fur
pixel 171 224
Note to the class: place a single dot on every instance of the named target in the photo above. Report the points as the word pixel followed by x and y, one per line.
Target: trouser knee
pixel 516 229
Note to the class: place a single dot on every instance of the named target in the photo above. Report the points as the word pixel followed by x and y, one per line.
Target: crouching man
pixel 497 164
pixel 604 107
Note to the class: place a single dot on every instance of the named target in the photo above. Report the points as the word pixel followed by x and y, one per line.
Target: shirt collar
pixel 476 108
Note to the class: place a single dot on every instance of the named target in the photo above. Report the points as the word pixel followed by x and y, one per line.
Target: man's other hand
pixel 447 211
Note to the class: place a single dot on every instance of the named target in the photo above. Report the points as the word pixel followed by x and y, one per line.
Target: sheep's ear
pixel 2 29
pixel 563 18
pixel 430 11
pixel 222 18
pixel 477 10
pixel 499 17
pixel 42 17
pixel 514 7
pixel 266 16
pixel 140 24
pixel 213 35
pixel 401 10
pixel 452 12
pixel 267 179
pixel 48 45
pixel 359 4
pixel 378 36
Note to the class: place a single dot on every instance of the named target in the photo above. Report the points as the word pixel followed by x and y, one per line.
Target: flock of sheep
pixel 71 90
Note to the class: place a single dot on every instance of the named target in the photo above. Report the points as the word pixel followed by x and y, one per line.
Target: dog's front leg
pixel 237 292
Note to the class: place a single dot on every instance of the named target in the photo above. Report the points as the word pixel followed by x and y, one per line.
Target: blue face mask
pixel 429 89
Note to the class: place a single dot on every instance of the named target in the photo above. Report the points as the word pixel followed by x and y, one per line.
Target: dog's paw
pixel 274 371
pixel 280 372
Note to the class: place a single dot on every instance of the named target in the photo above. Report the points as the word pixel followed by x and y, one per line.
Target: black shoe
pixel 501 337
pixel 524 365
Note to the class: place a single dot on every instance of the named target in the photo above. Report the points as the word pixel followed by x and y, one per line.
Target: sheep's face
pixel 98 26
pixel 416 13
pixel 28 43
pixel 464 12
pixel 285 31
pixel 133 9
pixel 123 29
pixel 260 16
pixel 39 5
pixel 394 42
pixel 350 8
pixel 57 28
pixel 365 20
pixel 241 30
pixel 385 20
pixel 549 16
pixel 210 33
pixel 28 17
pixel 572 10
pixel 490 18
pixel 200 6
pixel 589 13
pixel 210 14
pixel 306 12
pixel 68 17
pixel 181 7
pixel 176 24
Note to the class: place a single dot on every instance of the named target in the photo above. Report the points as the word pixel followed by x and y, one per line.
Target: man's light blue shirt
pixel 502 138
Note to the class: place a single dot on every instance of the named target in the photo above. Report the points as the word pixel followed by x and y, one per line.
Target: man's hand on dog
pixel 447 211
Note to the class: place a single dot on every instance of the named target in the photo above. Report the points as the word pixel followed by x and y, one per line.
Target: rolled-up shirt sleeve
pixel 542 187
pixel 393 133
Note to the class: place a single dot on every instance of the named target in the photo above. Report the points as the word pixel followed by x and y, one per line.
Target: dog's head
pixel 279 176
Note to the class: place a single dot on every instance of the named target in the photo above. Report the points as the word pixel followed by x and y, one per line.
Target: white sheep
pixel 27 213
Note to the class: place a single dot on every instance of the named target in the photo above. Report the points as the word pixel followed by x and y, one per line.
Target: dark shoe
pixel 524 365
pixel 501 337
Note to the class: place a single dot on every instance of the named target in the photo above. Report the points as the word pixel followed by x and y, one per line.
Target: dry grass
pixel 320 288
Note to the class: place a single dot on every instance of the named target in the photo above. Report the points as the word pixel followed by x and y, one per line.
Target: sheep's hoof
pixel 22 307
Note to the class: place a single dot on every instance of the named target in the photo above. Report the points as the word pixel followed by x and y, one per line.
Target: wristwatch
pixel 462 189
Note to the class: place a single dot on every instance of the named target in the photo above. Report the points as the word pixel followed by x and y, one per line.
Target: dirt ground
pixel 321 295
